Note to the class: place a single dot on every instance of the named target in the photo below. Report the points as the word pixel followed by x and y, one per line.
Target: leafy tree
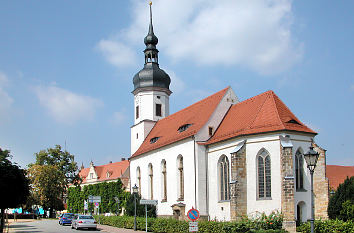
pixel 51 175
pixel 345 192
pixel 14 185
pixel 48 184
pixel 140 209
pixel 63 160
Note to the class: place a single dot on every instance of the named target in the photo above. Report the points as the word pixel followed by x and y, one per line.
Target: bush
pixel 344 193
pixel 328 226
pixel 264 224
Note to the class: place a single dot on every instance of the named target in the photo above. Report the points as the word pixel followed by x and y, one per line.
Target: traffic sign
pixel 97 204
pixel 193 226
pixel 93 199
pixel 148 202
pixel 193 214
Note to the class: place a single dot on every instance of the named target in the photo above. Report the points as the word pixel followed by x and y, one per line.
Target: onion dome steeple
pixel 151 75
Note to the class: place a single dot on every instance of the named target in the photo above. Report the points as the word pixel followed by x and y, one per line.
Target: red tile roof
pixel 115 169
pixel 167 128
pixel 337 174
pixel 259 114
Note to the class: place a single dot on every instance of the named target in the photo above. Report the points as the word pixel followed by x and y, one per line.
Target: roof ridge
pixel 256 115
pixel 276 108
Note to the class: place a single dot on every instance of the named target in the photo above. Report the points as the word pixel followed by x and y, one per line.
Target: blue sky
pixel 66 67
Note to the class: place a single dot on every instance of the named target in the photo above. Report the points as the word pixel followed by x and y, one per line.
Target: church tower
pixel 151 92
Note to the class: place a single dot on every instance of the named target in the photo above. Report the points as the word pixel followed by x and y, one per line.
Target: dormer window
pixel 108 174
pixel 183 127
pixel 293 122
pixel 153 140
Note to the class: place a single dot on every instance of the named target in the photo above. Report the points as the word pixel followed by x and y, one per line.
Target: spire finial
pixel 151 29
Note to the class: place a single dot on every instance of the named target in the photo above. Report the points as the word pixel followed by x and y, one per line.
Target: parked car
pixel 84 221
pixel 60 216
pixel 66 218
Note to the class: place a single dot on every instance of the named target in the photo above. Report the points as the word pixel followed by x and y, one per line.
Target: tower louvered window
pixel 299 170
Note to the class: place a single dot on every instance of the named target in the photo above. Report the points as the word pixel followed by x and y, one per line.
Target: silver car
pixel 83 221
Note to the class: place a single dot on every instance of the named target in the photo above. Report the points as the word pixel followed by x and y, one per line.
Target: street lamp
pixel 135 191
pixel 311 158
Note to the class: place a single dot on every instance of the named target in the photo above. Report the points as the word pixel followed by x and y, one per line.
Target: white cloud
pixel 65 106
pixel 5 99
pixel 254 34
pixel 119 117
pixel 117 53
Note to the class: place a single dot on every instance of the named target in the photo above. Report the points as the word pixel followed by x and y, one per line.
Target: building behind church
pixel 225 157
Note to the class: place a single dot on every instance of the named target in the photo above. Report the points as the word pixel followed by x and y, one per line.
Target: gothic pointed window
pixel 299 170
pixel 138 176
pixel 264 179
pixel 223 174
pixel 151 182
pixel 180 178
pixel 164 180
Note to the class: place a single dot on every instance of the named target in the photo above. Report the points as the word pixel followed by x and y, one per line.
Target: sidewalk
pixel 105 228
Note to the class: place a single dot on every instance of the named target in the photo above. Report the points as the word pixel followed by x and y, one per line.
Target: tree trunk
pixel 2 220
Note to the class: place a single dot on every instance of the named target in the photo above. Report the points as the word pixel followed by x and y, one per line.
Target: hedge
pixel 328 226
pixel 167 225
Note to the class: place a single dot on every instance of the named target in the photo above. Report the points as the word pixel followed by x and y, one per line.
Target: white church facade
pixel 225 157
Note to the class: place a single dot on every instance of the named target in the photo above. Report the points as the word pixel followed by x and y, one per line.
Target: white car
pixel 84 221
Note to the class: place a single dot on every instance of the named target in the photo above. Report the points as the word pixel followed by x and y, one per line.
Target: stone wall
pixel 320 185
pixel 238 186
pixel 287 193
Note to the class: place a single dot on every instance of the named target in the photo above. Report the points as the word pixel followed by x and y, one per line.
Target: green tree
pixel 51 175
pixel 345 192
pixel 63 160
pixel 48 185
pixel 140 209
pixel 14 184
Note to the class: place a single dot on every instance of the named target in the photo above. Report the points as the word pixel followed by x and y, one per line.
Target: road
pixel 52 226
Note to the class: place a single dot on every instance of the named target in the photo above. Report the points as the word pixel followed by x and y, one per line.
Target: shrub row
pixel 167 225
pixel 328 226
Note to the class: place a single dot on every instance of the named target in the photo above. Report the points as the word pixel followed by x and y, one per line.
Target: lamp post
pixel 311 158
pixel 135 191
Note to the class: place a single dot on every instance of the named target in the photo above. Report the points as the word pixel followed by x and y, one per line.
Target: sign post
pixel 147 202
pixel 96 200
pixel 193 215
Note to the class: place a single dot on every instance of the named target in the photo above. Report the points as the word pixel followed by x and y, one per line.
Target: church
pixel 225 157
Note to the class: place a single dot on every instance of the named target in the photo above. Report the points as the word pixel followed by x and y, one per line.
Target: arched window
pixel 264 187
pixel 164 180
pixel 138 179
pixel 180 178
pixel 299 169
pixel 151 182
pixel 223 167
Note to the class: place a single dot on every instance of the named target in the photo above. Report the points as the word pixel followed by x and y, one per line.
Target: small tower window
pixel 158 110
pixel 137 136
pixel 210 131
pixel 137 112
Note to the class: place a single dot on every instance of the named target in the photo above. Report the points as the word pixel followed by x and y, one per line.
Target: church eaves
pixel 166 129
pixel 260 114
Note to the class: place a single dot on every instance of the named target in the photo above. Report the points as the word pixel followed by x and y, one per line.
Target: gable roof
pixel 337 174
pixel 259 114
pixel 166 129
pixel 115 169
